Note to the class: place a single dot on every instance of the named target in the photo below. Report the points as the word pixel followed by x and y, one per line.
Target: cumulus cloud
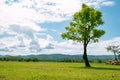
pixel 49 46
pixel 30 12
pixel 70 47
pixel 99 3
pixel 22 31
pixel 108 3
pixel 5 49
pixel 20 24
pixel 34 46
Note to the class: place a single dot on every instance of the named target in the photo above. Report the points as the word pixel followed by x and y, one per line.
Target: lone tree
pixel 83 28
pixel 114 49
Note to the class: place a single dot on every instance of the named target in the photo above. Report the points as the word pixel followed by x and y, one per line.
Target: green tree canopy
pixel 84 28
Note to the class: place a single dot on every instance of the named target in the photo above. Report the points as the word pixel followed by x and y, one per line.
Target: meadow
pixel 57 71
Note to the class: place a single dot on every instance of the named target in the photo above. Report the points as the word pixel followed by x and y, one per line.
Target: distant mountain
pixel 63 56
pixel 53 56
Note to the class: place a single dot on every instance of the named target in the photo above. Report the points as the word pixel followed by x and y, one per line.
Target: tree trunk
pixel 85 58
pixel 115 56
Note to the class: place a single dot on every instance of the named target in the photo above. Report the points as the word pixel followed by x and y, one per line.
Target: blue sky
pixel 34 26
pixel 112 20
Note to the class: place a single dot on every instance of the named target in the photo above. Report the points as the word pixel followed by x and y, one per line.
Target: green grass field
pixel 57 71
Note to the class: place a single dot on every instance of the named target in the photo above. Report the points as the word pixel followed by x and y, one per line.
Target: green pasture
pixel 57 71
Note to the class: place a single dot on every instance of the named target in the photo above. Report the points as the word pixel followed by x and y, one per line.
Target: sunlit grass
pixel 57 71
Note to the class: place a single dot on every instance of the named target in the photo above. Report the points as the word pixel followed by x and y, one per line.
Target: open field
pixel 57 71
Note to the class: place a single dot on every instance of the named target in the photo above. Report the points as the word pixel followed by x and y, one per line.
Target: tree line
pixel 35 59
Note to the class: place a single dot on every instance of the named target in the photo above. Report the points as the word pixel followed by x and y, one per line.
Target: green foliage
pixel 19 59
pixel 84 25
pixel 57 71
pixel 84 28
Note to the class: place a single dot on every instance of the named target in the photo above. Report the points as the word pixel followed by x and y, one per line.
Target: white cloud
pixel 29 12
pixel 22 18
pixel 99 3
pixel 11 15
pixel 70 47
pixel 108 3
pixel 49 45
pixel 9 41
pixel 34 47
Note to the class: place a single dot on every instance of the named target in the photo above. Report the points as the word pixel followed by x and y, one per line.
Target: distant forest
pixel 56 58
